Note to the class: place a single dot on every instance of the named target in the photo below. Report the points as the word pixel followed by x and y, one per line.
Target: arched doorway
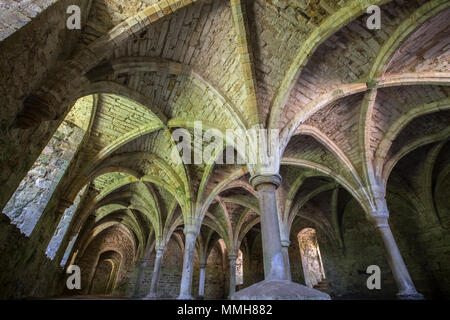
pixel 106 272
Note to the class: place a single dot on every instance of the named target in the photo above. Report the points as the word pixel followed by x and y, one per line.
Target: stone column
pixel 266 185
pixel 232 262
pixel 188 264
pixel 285 248
pixel 201 283
pixel 156 272
pixel 401 275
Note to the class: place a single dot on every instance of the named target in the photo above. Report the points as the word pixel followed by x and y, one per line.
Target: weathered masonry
pixel 91 174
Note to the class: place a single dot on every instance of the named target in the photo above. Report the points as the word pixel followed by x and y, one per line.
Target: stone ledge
pixel 279 290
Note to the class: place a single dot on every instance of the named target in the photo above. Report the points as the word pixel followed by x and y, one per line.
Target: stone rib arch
pixel 401 123
pixel 403 31
pixel 326 29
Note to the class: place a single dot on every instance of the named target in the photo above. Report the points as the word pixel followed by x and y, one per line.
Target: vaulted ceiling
pixel 342 96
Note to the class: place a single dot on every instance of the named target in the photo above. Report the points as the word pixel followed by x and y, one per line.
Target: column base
pixel 150 296
pixel 279 290
pixel 185 297
pixel 410 296
pixel 201 298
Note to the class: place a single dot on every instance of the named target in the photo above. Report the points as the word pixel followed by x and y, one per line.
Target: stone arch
pixel 36 190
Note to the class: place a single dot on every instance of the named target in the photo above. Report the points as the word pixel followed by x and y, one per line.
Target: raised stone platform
pixel 279 290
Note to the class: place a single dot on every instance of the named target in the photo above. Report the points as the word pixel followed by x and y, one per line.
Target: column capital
pixel 160 247
pixel 285 243
pixel 160 252
pixel 380 221
pixel 259 179
pixel 232 256
pixel 192 230
pixel 380 214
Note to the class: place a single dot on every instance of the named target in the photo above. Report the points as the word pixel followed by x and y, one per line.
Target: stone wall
pixel 253 264
pixel 26 59
pixel 170 276
pixel 345 269
pixel 113 239
pixel 34 192
pixel 215 284
pixel 26 271
pixel 101 277
pixel 425 249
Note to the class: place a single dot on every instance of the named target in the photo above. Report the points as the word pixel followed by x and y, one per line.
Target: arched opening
pixel 62 227
pixel 311 258
pixel 106 272
pixel 35 191
pixel 68 251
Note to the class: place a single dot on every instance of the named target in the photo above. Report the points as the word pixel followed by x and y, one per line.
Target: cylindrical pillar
pixel 232 262
pixel 201 283
pixel 405 285
pixel 188 264
pixel 285 248
pixel 266 185
pixel 156 272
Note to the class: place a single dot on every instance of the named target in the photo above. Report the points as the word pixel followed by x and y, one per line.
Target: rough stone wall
pixel 26 271
pixel 253 264
pixel 295 260
pixel 35 199
pixel 17 13
pixel 345 271
pixel 101 277
pixel 170 277
pixel 26 60
pixel 215 279
pixel 425 249
pixel 34 192
pixel 144 287
pixel 170 274
pixel 112 239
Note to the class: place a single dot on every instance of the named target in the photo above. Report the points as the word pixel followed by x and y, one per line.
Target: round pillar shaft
pixel 188 266
pixel 398 267
pixel 266 185
pixel 232 262
pixel 287 264
pixel 201 283
pixel 156 273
